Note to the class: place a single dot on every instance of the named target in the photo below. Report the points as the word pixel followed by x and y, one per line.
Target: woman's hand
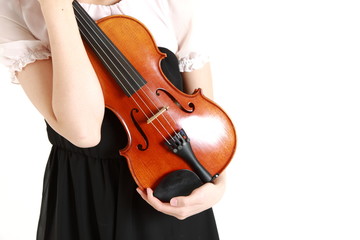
pixel 183 207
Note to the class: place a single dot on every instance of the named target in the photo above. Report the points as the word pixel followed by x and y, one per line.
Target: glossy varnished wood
pixel 210 130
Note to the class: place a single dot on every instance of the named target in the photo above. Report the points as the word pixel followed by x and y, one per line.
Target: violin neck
pixel 113 60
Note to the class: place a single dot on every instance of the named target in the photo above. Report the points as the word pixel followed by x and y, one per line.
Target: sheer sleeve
pixel 18 45
pixel 190 28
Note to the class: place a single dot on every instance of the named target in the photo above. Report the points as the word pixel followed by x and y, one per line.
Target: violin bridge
pixel 161 111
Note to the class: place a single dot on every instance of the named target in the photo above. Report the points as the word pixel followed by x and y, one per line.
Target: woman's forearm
pixel 77 99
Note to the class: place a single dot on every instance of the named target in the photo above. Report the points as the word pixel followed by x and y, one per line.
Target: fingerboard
pixel 126 76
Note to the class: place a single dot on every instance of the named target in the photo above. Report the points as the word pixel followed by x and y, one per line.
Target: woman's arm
pixel 200 78
pixel 65 89
pixel 210 193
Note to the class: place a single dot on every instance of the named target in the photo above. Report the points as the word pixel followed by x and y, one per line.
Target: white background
pixel 288 74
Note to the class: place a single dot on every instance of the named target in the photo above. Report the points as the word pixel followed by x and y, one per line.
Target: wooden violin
pixel 167 129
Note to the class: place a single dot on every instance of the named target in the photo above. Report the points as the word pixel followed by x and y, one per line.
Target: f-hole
pixel 190 104
pixel 139 146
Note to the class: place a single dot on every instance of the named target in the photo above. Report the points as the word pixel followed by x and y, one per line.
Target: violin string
pixel 123 75
pixel 128 90
pixel 134 72
pixel 139 77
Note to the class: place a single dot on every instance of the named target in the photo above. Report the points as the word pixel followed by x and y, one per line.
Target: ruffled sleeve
pixel 18 45
pixel 190 28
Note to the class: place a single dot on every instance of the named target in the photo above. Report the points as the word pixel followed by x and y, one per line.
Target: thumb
pixel 174 202
pixel 185 201
pixel 181 201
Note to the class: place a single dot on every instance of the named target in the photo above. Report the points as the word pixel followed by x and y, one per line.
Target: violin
pixel 168 131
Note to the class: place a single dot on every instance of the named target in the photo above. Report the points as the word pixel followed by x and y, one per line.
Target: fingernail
pixel 173 202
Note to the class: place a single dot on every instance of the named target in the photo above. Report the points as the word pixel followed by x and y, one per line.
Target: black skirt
pixel 89 193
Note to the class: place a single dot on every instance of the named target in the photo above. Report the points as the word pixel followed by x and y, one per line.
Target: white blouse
pixel 24 39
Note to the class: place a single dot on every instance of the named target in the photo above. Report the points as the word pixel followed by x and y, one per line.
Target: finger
pixel 180 213
pixel 155 202
pixel 142 193
pixel 179 207
pixel 196 197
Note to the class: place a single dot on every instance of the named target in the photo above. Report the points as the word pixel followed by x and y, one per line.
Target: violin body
pixel 159 119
